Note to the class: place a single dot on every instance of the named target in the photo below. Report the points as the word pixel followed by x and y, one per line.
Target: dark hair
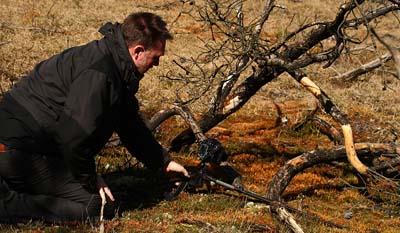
pixel 144 28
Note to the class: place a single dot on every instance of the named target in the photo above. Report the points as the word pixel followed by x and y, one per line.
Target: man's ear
pixel 135 51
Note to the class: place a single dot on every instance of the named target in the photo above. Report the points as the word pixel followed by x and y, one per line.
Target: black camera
pixel 212 151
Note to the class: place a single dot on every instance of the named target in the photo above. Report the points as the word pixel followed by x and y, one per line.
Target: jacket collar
pixel 116 44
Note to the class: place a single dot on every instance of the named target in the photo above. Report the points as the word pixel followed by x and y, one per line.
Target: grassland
pixel 31 31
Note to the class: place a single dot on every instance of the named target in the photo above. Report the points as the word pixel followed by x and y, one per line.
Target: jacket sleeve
pixel 138 139
pixel 76 127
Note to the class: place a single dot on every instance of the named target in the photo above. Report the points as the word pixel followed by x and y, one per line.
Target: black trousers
pixel 34 186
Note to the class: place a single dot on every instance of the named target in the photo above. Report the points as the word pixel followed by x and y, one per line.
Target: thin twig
pixel 103 203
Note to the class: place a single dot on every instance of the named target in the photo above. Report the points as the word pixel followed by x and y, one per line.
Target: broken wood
pixel 331 109
pixel 283 177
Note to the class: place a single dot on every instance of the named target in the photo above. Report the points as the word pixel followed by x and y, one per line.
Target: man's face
pixel 145 59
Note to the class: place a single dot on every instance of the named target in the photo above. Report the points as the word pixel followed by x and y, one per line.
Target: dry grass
pixel 31 31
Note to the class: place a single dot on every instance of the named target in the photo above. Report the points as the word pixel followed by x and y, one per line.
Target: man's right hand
pixel 176 167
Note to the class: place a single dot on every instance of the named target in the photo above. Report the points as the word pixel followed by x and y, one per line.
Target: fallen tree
pixel 240 61
pixel 246 53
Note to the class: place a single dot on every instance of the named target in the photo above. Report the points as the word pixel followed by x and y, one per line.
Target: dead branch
pixel 187 115
pixel 333 111
pixel 389 164
pixel 283 177
pixel 328 107
pixel 327 129
pixel 371 15
pixel 288 219
pixel 269 6
pixel 160 117
pixel 321 32
pixel 205 225
pixel 365 68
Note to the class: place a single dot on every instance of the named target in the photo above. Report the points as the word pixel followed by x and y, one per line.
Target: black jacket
pixel 78 98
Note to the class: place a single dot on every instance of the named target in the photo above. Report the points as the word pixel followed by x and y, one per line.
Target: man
pixel 58 117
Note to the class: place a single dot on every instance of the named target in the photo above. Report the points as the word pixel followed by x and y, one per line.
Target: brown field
pixel 33 30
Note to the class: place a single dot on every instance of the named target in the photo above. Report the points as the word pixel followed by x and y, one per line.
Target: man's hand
pixel 176 167
pixel 103 188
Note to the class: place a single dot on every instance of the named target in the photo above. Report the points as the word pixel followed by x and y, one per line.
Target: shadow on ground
pixel 137 188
